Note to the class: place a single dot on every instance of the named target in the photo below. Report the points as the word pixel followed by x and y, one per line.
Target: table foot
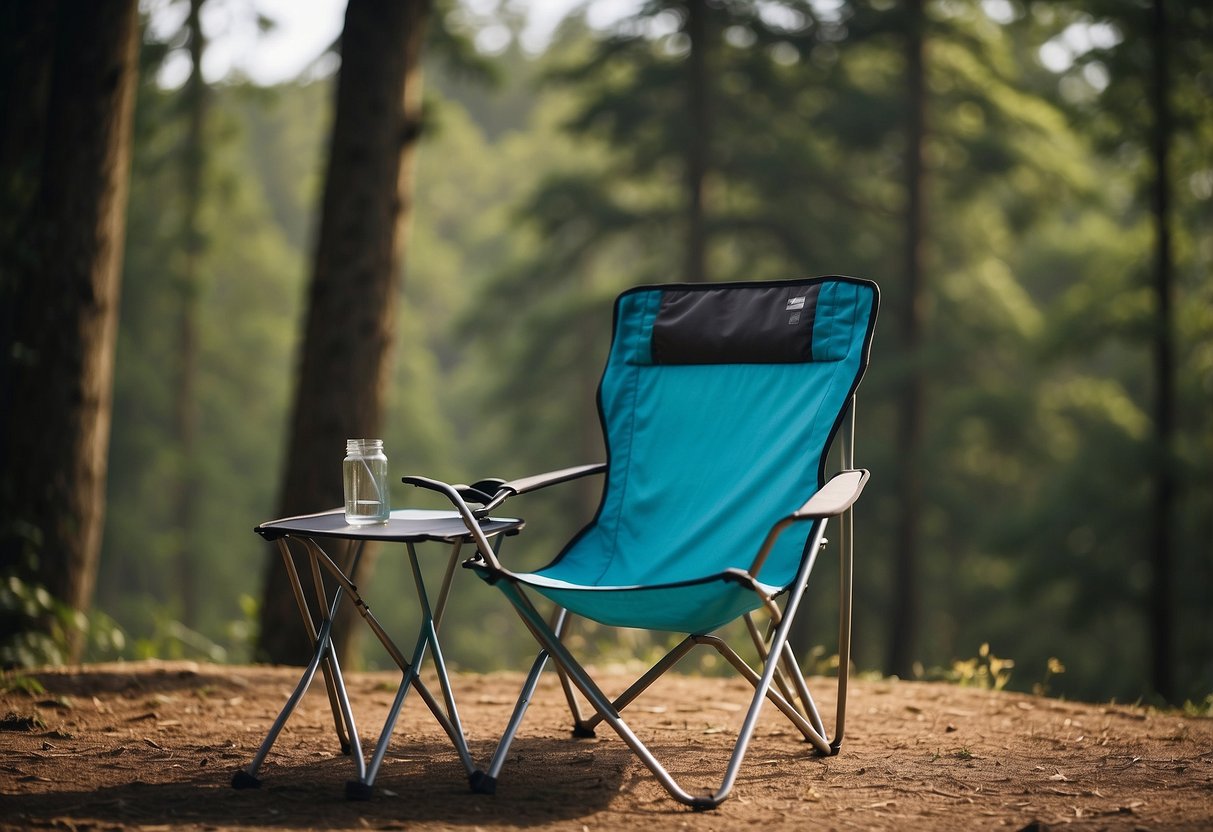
pixel 243 780
pixel 357 790
pixel 481 783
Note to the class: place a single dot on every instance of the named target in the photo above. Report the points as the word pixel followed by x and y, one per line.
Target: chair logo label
pixel 795 305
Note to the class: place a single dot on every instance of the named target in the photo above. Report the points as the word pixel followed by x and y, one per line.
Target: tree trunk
pixel 193 164
pixel 904 619
pixel 1162 676
pixel 355 283
pixel 697 142
pixel 66 179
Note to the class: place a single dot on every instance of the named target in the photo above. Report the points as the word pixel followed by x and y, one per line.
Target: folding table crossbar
pixel 407 526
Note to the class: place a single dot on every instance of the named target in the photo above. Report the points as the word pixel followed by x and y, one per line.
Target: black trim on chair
pixel 735 325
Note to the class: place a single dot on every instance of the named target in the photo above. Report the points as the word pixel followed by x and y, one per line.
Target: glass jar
pixel 364 473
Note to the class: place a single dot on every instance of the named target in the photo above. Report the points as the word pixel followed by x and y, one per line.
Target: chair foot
pixel 582 732
pixel 703 804
pixel 345 748
pixel 481 783
pixel 243 780
pixel 357 790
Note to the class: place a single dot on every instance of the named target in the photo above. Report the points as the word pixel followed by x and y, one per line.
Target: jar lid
pixel 354 445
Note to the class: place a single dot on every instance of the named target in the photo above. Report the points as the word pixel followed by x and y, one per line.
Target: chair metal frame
pixel 719 404
pixel 781 679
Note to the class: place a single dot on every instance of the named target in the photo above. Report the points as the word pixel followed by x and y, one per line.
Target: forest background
pixel 1036 417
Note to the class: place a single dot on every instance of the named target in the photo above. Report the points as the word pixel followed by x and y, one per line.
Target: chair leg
pixel 775 652
pixel 601 703
pixel 786 706
pixel 609 711
pixel 845 581
pixel 773 655
pixel 485 782
pixel 583 727
pixel 788 669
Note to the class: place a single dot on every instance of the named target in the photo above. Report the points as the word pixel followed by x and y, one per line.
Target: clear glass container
pixel 364 473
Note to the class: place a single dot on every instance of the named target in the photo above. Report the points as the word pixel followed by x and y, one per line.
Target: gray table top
pixel 407 525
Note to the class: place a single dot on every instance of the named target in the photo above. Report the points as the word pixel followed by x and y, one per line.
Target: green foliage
pixel 42 628
pixel 12 681
pixel 1199 709
pixel 536 202
pixel 1053 668
pixel 985 671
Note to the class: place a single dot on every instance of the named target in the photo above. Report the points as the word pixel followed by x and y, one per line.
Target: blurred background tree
pixel 67 89
pixel 349 330
pixel 732 140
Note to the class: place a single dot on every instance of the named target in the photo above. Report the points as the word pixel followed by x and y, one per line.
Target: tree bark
pixel 1163 675
pixel 64 181
pixel 189 290
pixel 904 620
pixel 355 284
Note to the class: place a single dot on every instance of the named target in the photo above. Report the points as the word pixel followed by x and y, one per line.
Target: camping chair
pixel 718 403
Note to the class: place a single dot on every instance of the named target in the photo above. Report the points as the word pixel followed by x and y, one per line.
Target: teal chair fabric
pixel 718 405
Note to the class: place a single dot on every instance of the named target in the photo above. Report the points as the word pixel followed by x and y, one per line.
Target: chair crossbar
pixel 788 668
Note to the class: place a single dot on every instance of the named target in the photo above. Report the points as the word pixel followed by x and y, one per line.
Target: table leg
pixel 324 657
pixel 338 696
pixel 343 716
pixel 427 638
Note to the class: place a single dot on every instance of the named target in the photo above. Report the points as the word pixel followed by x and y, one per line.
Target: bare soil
pixel 154 745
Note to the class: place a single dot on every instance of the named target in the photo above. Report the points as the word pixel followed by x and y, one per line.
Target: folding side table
pixel 407 526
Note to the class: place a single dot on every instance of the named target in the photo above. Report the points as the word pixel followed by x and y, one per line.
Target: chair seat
pixel 693 606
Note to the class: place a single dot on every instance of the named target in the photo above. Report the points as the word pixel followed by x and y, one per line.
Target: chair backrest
pixel 718 404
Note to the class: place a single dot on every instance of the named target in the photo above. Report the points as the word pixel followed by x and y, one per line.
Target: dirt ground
pixel 154 746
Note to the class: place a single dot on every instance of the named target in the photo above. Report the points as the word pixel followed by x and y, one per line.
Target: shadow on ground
pixel 569 785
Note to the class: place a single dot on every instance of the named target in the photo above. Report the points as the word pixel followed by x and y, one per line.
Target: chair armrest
pixel 833 498
pixel 453 493
pixel 534 483
pixel 488 495
pixel 477 493
pixel 836 496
